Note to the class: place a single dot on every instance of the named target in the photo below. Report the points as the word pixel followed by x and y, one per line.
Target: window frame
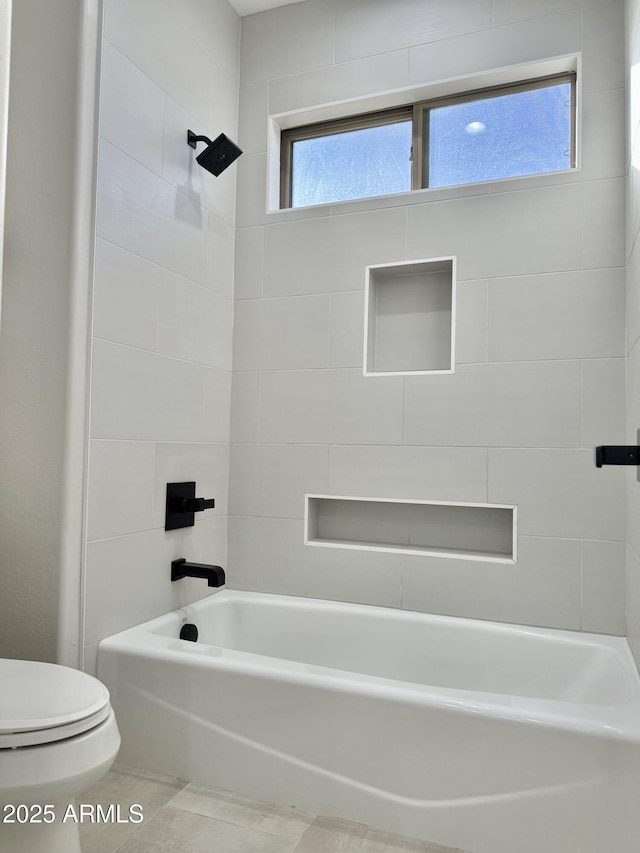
pixel 417 112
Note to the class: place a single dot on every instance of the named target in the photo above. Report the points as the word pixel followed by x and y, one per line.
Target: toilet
pixel 58 737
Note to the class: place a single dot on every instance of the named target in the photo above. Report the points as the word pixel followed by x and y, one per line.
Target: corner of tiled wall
pixel 163 306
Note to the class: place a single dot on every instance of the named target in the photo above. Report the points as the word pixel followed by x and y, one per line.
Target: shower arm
pixel 192 139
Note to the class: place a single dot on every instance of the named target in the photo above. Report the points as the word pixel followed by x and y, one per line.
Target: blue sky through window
pixel 500 136
pixel 521 133
pixel 355 164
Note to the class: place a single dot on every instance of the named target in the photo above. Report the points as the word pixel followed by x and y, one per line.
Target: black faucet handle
pixel 182 503
pixel 197 504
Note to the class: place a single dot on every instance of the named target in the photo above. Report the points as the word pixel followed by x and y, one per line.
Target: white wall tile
pixel 125 308
pixel 471 322
pixel 138 395
pixel 633 603
pixel 332 406
pixel 361 33
pixel 214 23
pixel 217 405
pixel 542 588
pixel 418 473
pixel 120 490
pixel 524 404
pixel 346 329
pixel 194 323
pixel 251 190
pixel 242 569
pixel 603 138
pixel 252 118
pixel 206 464
pixel 509 11
pixel 529 316
pixel 249 245
pixel 504 234
pixel 603 404
pixel 281 334
pixel 633 298
pixel 604 242
pixel 160 52
pixel 603 45
pixel 297 260
pixel 211 548
pixel 531 41
pixel 245 407
pixel 131 109
pixel 272 479
pixel 371 75
pixel 128 580
pixel 225 101
pixel 559 492
pixel 220 256
pixel 287 40
pixel 603 587
pixel 288 566
pixel 141 212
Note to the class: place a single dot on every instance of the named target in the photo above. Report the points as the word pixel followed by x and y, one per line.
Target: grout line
pixel 166 269
pixel 178 358
pixel 486 329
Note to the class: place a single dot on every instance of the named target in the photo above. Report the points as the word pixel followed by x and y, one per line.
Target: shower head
pixel 217 155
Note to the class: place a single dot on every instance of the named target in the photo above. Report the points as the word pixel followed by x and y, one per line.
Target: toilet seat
pixel 43 702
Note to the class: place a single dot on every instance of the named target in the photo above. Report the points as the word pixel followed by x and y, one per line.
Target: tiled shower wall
pixel 540 326
pixel 633 319
pixel 163 305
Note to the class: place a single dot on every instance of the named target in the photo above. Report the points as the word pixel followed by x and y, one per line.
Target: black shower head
pixel 217 155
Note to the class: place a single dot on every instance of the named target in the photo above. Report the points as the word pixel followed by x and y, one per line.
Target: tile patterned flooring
pixel 181 817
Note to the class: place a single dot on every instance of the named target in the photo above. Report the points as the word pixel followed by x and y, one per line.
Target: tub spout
pixel 181 569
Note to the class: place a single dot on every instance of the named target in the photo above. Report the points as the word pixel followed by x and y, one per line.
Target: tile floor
pixel 181 817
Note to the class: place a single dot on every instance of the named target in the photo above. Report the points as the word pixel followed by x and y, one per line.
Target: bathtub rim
pixel 613 721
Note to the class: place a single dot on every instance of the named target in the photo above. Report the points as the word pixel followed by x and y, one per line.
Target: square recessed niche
pixel 409 324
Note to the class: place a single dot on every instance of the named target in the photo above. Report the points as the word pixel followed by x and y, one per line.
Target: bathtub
pixel 487 737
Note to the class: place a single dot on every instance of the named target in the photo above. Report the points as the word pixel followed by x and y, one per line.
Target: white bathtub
pixel 492 738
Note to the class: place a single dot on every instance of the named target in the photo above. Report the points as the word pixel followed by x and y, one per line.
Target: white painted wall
pixel 633 318
pixel 163 305
pixel 540 325
pixel 39 335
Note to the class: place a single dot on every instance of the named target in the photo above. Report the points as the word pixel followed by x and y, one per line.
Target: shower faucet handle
pixel 197 504
pixel 182 504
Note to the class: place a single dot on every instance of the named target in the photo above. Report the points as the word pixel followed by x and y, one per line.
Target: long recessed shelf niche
pixel 469 531
pixel 409 324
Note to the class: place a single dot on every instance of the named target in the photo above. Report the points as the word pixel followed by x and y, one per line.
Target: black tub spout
pixel 181 569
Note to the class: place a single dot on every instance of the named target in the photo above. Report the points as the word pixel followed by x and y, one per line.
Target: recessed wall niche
pixel 409 324
pixel 467 531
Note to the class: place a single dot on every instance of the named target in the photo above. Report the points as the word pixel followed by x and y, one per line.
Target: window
pixel 503 132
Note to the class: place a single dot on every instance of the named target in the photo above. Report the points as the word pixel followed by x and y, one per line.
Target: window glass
pixel 524 129
pixel 352 164
pixel 520 133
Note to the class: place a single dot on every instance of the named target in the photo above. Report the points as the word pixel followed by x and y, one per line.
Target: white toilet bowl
pixel 58 736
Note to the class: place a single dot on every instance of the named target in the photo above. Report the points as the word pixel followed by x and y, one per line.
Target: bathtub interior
pixel 413 648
